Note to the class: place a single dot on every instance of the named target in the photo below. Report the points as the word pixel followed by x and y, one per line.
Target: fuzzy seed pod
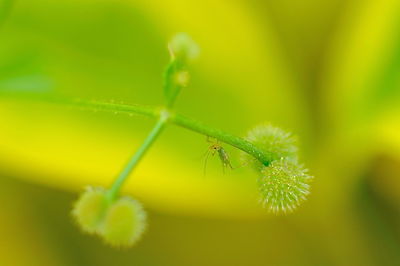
pixel 275 142
pixel 124 223
pixel 89 209
pixel 183 48
pixel 283 185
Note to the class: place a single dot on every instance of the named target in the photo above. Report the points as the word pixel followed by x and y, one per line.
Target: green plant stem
pixel 154 112
pixel 220 135
pixel 92 105
pixel 154 133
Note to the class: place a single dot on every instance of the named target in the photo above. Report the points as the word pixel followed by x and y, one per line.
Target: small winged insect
pixel 216 148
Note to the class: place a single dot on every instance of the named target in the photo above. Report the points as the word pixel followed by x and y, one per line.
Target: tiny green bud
pixel 283 185
pixel 124 222
pixel 89 209
pixel 275 142
pixel 182 47
pixel 182 78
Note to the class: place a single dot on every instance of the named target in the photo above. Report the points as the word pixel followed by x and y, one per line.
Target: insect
pixel 214 148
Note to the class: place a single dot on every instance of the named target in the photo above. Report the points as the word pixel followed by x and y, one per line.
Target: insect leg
pixel 205 161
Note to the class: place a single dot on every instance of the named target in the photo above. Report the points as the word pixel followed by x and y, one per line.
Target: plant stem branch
pixel 154 112
pixel 220 135
pixel 154 133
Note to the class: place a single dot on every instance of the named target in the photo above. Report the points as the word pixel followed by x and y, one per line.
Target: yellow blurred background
pixel 329 71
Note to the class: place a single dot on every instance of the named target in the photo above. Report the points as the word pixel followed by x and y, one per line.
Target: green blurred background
pixel 329 71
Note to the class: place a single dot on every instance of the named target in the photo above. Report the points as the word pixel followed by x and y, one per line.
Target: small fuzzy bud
pixel 182 78
pixel 124 223
pixel 283 185
pixel 89 209
pixel 275 142
pixel 182 47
